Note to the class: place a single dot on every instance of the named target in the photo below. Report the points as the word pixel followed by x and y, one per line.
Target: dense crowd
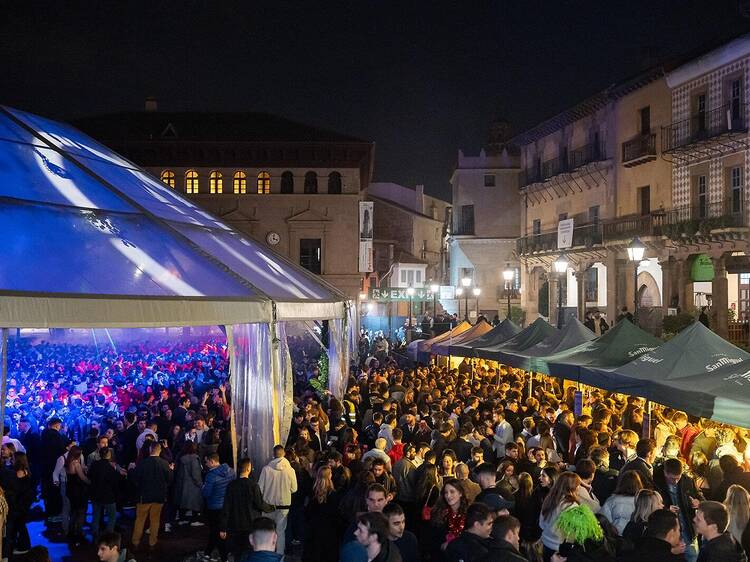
pixel 426 463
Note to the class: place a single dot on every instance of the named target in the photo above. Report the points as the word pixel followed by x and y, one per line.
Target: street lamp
pixel 459 292
pixel 477 291
pixel 561 268
pixel 635 254
pixel 508 275
pixel 410 292
pixel 466 282
pixel 434 287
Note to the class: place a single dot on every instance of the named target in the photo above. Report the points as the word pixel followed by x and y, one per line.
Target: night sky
pixel 420 79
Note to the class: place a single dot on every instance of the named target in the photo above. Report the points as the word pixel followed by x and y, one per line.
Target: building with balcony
pixel 486 225
pixel 291 186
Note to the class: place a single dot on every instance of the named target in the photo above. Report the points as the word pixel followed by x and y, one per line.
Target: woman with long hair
pixel 738 506
pixel 76 492
pixel 322 515
pixel 187 485
pixel 620 506
pixel 507 482
pixel 699 468
pixel 527 510
pixel 448 516
pixel 20 494
pixel 564 494
pixel 646 502
pixel 584 539
pixel 547 478
pixel 448 464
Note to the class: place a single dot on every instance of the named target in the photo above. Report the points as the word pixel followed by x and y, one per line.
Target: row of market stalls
pixel 91 240
pixel 695 371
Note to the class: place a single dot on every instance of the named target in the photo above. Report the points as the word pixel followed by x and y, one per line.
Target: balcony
pixel 639 150
pixel 686 221
pixel 581 156
pixel 703 127
pixel 586 236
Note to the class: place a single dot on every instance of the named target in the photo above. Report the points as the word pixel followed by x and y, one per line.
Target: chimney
pixel 151 104
pixel 419 199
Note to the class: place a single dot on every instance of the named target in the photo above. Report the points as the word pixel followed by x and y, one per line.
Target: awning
pixel 534 333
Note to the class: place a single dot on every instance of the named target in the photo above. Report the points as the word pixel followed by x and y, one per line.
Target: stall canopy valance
pixel 533 358
pixel 446 347
pixel 500 333
pixel 620 345
pixel 696 350
pixel 534 333
pixel 91 239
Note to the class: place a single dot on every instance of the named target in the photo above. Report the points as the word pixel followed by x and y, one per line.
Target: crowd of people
pixel 426 463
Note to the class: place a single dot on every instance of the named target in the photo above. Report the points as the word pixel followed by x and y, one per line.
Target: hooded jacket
pixel 278 482
pixel 215 486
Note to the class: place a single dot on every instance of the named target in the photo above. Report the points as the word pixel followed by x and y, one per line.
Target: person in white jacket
pixel 620 506
pixel 277 483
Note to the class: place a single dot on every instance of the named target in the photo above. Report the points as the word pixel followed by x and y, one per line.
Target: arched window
pixel 334 182
pixel 191 181
pixel 168 177
pixel 287 182
pixel 264 183
pixel 311 182
pixel 239 182
pixel 215 182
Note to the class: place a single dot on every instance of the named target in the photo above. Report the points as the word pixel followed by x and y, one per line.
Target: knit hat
pixel 578 524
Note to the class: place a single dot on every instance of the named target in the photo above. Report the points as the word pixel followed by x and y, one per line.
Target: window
pixel 735 93
pixel 644 200
pixel 191 181
pixel 287 182
pixel 701 117
pixel 745 278
pixel 309 254
pixel 563 165
pixel 215 182
pixel 591 281
pixel 334 183
pixel 594 214
pixel 702 197
pixel 168 177
pixel 645 114
pixel 311 182
pixel 735 183
pixel 239 182
pixel 562 216
pixel 264 183
pixel 536 227
pixel 467 220
pixel 489 180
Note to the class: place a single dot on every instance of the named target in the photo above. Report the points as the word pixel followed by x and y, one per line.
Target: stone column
pixel 667 283
pixel 720 298
pixel 553 288
pixel 581 284
pixel 628 297
pixel 612 292
pixel 685 286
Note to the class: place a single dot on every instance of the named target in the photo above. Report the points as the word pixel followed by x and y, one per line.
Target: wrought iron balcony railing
pixel 576 158
pixel 586 235
pixel 639 149
pixel 703 126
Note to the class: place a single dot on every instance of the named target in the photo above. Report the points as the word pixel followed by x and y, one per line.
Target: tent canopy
pixel 618 346
pixel 446 347
pixel 500 333
pixel 93 240
pixel 532 358
pixel 534 333
pixel 696 350
pixel 419 350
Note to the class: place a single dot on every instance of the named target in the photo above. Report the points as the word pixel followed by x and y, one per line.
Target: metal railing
pixel 586 235
pixel 704 125
pixel 592 152
pixel 639 147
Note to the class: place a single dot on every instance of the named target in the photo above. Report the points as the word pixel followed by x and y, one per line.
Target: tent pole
pixel 531 382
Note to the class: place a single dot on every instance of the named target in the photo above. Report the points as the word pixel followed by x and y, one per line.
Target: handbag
pixel 427 508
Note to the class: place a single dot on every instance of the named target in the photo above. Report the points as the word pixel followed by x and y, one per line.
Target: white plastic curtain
pixel 284 383
pixel 340 351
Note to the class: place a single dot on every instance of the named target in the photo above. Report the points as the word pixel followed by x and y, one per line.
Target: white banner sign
pixel 365 236
pixel 565 233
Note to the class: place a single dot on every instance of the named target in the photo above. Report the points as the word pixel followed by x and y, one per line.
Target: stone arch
pixel 648 291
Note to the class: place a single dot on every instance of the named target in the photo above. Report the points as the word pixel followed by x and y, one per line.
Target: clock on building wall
pixel 273 238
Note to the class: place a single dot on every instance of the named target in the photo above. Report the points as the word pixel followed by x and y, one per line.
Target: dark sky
pixel 421 79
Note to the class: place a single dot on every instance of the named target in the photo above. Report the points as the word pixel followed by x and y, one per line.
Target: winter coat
pixel 243 503
pixel 278 482
pixel 722 549
pixel 188 483
pixel 618 509
pixel 467 547
pixel 652 549
pixel 152 477
pixel 215 486
pixel 500 550
pixel 104 482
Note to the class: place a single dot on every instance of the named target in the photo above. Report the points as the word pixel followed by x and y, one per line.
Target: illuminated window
pixel 334 182
pixel 168 177
pixel 191 181
pixel 264 183
pixel 311 182
pixel 239 182
pixel 215 182
pixel 287 182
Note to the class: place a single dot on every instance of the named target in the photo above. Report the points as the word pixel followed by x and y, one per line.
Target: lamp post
pixel 434 287
pixel 636 249
pixel 561 268
pixel 477 291
pixel 465 283
pixel 508 275
pixel 459 292
pixel 410 292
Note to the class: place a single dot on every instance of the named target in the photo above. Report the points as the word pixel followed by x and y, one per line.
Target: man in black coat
pixel 661 536
pixel 243 503
pixel 711 522
pixel 471 545
pixel 105 478
pixel 52 446
pixel 505 539
pixel 732 474
pixel 645 451
pixel 152 477
pixel 461 444
pixel 405 540
pixel 33 444
pixel 678 489
pixel 605 478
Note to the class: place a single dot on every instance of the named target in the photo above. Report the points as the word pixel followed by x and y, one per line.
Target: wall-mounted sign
pixel 365 236
pixel 702 269
pixel 565 233
pixel 391 294
pixel 447 292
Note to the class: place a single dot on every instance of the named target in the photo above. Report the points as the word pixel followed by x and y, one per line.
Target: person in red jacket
pixel 686 431
pixel 397 450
